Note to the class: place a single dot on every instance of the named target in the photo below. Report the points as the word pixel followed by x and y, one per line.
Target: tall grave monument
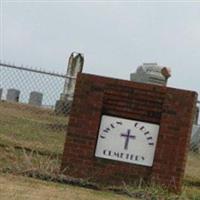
pixel 75 66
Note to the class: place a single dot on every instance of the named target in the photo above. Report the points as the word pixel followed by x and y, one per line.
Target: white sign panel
pixel 126 140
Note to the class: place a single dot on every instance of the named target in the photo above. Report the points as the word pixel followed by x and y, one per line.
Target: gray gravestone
pixel 1 92
pixel 63 107
pixel 151 73
pixel 13 95
pixel 35 98
pixel 195 138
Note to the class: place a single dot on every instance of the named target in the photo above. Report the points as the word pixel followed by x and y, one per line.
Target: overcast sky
pixel 115 37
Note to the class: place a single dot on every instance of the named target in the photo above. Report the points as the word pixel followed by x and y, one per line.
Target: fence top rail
pixel 35 70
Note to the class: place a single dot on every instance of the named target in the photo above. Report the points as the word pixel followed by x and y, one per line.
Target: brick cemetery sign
pixel 122 131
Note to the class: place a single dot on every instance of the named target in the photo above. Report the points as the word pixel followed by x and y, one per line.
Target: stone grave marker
pixel 75 66
pixel 35 98
pixel 123 131
pixel 13 95
pixel 1 92
pixel 151 73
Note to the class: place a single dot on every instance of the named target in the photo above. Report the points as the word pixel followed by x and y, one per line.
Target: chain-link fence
pixel 27 109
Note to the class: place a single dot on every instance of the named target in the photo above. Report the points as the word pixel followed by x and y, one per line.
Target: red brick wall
pixel 172 109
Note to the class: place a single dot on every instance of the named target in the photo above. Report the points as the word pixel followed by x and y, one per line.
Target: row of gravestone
pixel 13 95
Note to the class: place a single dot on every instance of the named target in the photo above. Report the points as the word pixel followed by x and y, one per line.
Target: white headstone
pixel 75 65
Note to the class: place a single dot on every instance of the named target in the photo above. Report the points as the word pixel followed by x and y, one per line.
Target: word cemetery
pixel 123 131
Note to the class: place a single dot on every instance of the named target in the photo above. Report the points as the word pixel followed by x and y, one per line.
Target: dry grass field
pixel 32 139
pixel 31 127
pixel 23 188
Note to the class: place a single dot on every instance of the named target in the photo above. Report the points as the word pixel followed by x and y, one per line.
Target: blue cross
pixel 128 136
